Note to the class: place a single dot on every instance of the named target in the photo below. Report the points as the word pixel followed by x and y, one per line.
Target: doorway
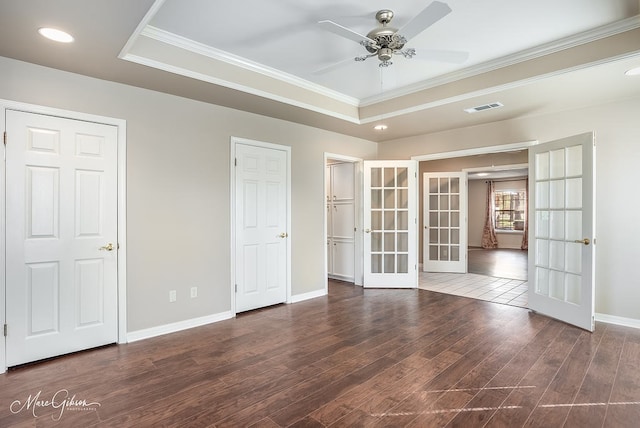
pixel 343 234
pixel 508 214
pixel 487 275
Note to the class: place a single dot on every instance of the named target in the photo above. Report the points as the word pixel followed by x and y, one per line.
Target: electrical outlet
pixel 194 292
pixel 172 296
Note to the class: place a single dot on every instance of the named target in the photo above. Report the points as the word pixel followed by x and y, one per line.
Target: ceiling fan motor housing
pixel 385 37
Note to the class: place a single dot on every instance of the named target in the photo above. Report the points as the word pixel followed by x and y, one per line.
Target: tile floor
pixel 498 290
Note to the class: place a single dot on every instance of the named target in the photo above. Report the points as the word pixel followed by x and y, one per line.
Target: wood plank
pixel 564 386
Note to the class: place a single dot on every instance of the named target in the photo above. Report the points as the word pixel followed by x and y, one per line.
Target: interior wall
pixel 178 184
pixel 617 175
pixel 477 204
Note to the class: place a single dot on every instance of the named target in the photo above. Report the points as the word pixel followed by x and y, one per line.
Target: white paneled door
pixel 390 224
pixel 562 230
pixel 261 236
pixel 445 222
pixel 61 267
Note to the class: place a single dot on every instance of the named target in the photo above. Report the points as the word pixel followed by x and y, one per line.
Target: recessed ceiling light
pixel 380 127
pixel 633 72
pixel 56 35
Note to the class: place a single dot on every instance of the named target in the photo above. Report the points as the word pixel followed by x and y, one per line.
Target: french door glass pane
pixel 403 242
pixel 403 177
pixel 455 253
pixel 376 177
pixel 389 177
pixel 403 263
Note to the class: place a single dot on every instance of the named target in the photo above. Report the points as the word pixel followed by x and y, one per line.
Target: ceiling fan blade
pixel 333 66
pixel 453 57
pixel 338 29
pixel 429 16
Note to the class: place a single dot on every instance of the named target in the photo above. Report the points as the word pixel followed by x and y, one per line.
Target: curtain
pixel 525 234
pixel 489 238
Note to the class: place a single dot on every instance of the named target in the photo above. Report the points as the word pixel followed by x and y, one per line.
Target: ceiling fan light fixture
pixel 55 35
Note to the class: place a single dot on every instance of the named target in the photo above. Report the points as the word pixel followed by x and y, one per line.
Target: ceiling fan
pixel 385 41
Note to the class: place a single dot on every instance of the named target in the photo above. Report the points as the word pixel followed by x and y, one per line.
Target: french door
pixel 390 224
pixel 261 225
pixel 562 230
pixel 444 219
pixel 61 234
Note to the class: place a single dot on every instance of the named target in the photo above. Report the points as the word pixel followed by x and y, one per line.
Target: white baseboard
pixel 611 319
pixel 148 333
pixel 306 296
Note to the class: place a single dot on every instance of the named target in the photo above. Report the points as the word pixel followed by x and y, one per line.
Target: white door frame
pixel 232 197
pixel 358 254
pixel 122 209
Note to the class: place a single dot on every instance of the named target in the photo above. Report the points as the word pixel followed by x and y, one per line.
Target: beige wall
pixel 617 174
pixel 178 213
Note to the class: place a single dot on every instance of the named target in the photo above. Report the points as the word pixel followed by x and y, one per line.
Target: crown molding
pixel 490 90
pixel 250 90
pixel 476 151
pixel 569 42
pixel 155 7
pixel 238 61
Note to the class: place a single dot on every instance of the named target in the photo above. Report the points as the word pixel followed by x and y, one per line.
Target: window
pixel 510 209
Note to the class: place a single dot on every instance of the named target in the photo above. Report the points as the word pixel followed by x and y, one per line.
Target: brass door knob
pixel 584 241
pixel 108 247
pixel 283 235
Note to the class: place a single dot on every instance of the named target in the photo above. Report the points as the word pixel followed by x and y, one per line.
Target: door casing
pixel 122 208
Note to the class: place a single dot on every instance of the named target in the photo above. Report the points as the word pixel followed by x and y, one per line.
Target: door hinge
pixel 236 288
pixel 235 161
pixel 5 330
pixel 4 138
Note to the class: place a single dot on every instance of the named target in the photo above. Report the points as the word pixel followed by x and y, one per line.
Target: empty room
pixel 267 213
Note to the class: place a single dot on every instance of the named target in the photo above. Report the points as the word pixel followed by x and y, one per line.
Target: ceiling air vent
pixel 484 107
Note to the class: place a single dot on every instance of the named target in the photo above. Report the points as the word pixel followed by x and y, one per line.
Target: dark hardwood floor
pixel 354 358
pixel 498 262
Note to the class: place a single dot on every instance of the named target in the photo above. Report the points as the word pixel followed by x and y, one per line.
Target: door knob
pixel 584 241
pixel 108 247
pixel 283 235
pixel 367 231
